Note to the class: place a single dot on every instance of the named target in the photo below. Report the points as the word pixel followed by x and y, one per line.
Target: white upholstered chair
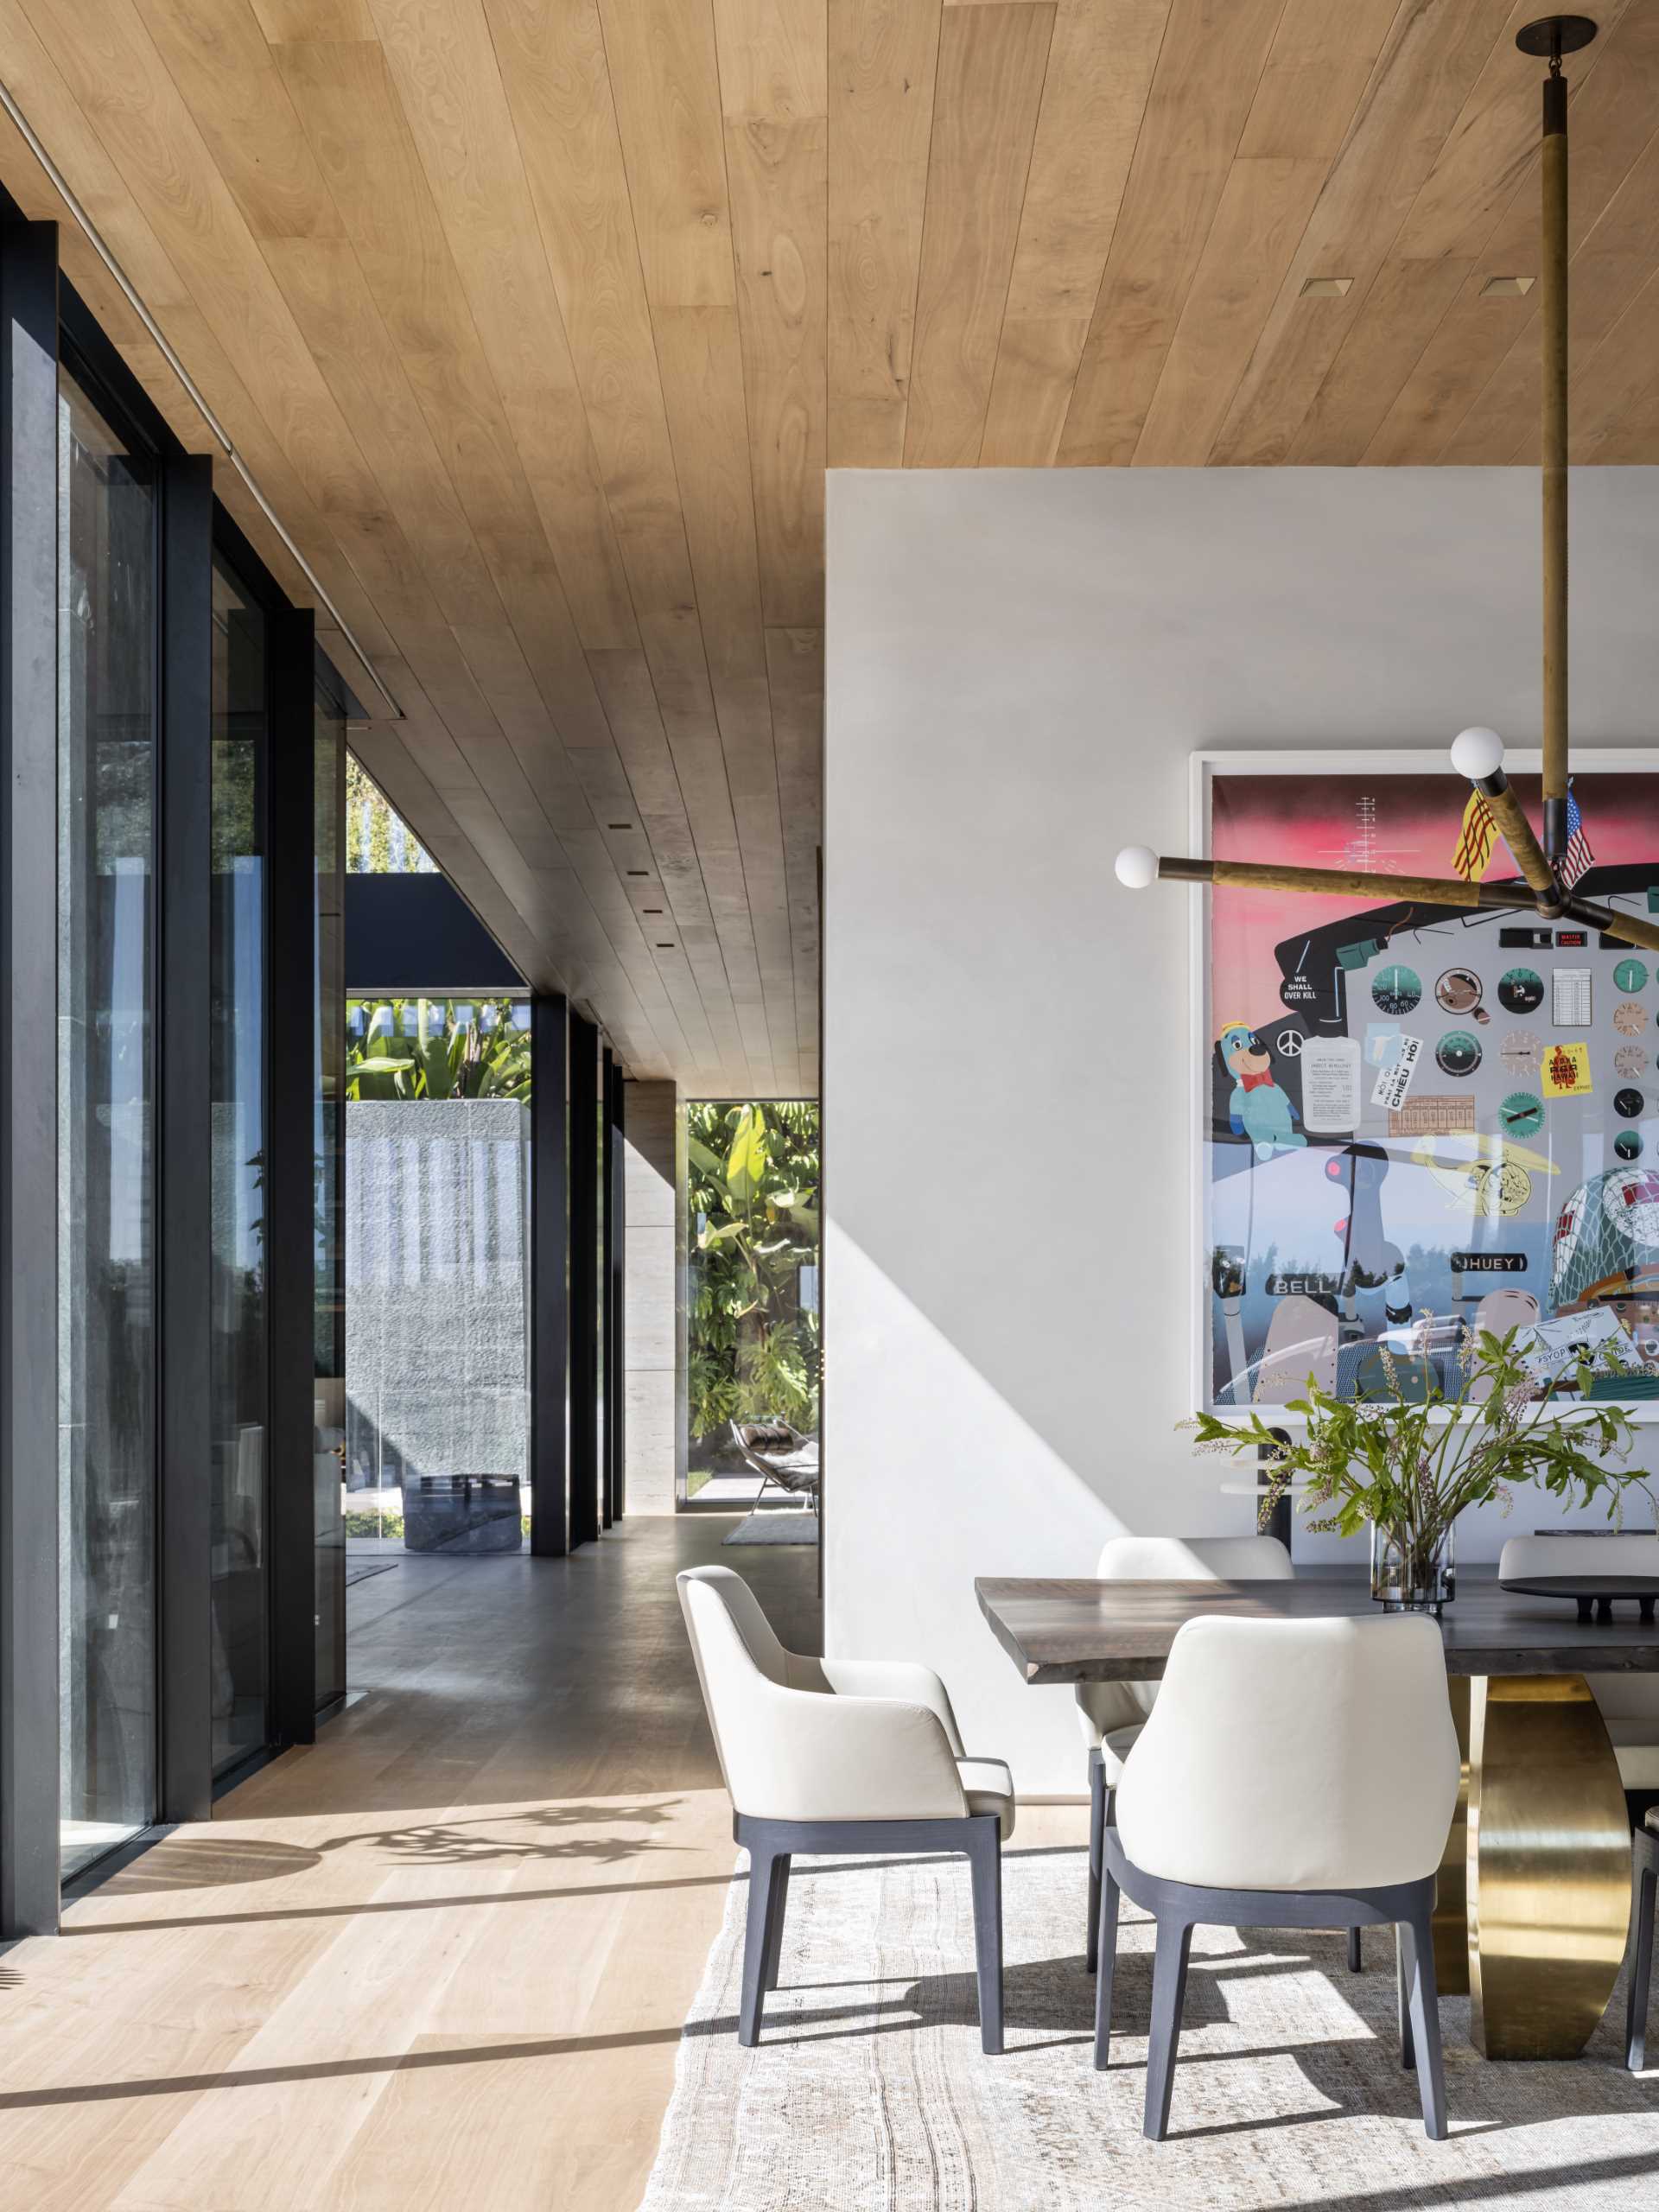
pixel 1292 1774
pixel 1111 1714
pixel 839 1755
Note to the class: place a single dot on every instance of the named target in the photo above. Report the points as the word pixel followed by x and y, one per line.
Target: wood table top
pixel 1085 1631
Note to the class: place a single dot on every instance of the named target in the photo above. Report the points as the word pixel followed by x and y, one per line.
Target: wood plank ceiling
pixel 537 322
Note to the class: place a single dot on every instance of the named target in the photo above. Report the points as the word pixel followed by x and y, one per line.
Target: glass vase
pixel 1412 1576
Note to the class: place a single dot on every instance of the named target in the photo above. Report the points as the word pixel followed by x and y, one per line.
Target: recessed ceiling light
pixel 665 948
pixel 1506 288
pixel 618 825
pixel 1325 288
pixel 638 871
pixel 650 910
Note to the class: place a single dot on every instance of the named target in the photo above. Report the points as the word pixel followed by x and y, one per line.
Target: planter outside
pixel 1409 1576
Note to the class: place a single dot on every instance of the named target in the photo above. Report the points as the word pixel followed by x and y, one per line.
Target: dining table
pixel 1533 1899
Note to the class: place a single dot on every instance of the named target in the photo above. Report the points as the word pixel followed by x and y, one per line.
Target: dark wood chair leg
pixel 757 1933
pixel 985 1860
pixel 1635 2010
pixel 1355 1956
pixel 1107 1942
pixel 1168 1995
pixel 779 1907
pixel 1096 1847
pixel 1403 2000
pixel 1417 1958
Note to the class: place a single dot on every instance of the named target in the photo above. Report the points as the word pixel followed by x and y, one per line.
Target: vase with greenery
pixel 1409 1461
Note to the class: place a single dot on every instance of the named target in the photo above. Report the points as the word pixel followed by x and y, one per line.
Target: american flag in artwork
pixel 1579 859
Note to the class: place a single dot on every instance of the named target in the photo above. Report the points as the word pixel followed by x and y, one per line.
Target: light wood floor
pixel 440 1959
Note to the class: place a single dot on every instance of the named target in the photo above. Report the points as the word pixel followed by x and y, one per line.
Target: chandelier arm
pixel 1554 274
pixel 1613 923
pixel 1510 816
pixel 1421 890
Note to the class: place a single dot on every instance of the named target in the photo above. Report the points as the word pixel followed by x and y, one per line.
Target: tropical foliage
pixel 752 1194
pixel 436 1048
pixel 377 840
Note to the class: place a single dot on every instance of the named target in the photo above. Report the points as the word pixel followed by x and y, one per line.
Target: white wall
pixel 653 1436
pixel 1019 664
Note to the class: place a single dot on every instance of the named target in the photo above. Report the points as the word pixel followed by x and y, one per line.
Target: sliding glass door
pixel 240 1377
pixel 107 541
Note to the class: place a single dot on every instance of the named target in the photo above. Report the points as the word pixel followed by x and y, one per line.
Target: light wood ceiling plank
pixel 797 663
pixel 667 72
pixel 1485 172
pixel 1031 389
pixel 666 84
pixel 1607 271
pixel 1100 67
pixel 776 173
pixel 399 144
pixel 1408 302
pixel 220 60
pixel 883 60
pixel 554 69
pixel 702 373
pixel 313 22
pixel 1433 54
pixel 1610 386
pixel 1612 122
pixel 1208 68
pixel 1316 70
pixel 992 63
pixel 631 706
pixel 118 81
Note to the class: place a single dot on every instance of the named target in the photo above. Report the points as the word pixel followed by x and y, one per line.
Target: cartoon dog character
pixel 1258 1109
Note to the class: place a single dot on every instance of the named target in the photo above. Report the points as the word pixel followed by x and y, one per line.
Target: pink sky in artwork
pixel 1408 823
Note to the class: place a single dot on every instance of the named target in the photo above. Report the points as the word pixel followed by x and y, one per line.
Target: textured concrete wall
pixel 654 1334
pixel 436 1289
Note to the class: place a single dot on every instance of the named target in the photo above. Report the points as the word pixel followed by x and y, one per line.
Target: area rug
pixel 783 1527
pixel 869 2092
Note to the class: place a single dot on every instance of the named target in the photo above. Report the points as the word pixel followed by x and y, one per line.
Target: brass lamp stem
pixel 1554 277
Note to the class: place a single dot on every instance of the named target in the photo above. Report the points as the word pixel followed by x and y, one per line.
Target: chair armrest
pixel 1103 1707
pixel 884 1678
pixel 814 1758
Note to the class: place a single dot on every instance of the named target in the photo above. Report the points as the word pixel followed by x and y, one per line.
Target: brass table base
pixel 1534 1902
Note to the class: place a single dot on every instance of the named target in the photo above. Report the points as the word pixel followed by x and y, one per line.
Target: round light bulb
pixel 1478 753
pixel 1137 867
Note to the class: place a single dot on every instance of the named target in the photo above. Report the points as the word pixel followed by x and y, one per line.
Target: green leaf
pixel 748 1159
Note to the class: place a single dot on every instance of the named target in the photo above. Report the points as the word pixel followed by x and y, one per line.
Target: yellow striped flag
pixel 1474 839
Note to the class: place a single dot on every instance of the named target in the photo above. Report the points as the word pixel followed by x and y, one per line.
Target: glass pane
pixel 106 1355
pixel 752 1237
pixel 237 1351
pixel 437 1284
pixel 328 1445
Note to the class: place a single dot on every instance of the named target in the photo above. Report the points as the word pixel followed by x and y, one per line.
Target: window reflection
pixel 239 1382
pixel 106 740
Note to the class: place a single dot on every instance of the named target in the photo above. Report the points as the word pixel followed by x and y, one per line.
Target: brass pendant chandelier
pixel 1479 753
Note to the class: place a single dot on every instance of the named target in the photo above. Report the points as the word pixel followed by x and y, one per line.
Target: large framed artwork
pixel 1412 1118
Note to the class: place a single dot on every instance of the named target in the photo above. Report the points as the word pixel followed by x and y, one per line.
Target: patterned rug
pixel 869 2092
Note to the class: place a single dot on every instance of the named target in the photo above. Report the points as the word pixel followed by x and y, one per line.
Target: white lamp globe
pixel 1478 753
pixel 1137 867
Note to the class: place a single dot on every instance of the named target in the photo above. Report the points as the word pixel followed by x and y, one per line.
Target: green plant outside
pixel 391 1524
pixel 752 1191
pixel 445 1057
